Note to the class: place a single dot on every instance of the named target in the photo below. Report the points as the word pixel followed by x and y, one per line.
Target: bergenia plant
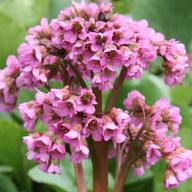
pixel 88 50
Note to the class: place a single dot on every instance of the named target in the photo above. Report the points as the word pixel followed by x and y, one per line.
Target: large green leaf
pixel 11 150
pixel 172 17
pixel 6 184
pixel 182 97
pixel 56 6
pixel 66 181
pixel 5 169
pixel 15 17
pixel 140 184
pixel 122 6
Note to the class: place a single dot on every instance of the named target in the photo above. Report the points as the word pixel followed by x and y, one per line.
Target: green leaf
pixel 66 180
pixel 6 184
pixel 172 17
pixel 182 97
pixel 140 184
pixel 182 94
pixel 15 17
pixel 56 6
pixel 5 169
pixel 25 96
pixel 11 153
pixel 151 86
pixel 122 6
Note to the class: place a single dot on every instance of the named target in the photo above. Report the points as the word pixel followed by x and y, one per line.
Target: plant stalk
pixel 99 155
pixel 80 179
pixel 117 86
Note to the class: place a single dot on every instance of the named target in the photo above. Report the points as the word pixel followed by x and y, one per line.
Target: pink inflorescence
pixel 89 41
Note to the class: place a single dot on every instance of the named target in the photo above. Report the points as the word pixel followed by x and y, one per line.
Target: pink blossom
pixel 29 112
pixel 139 171
pixel 171 181
pixel 134 100
pixel 72 137
pixel 113 132
pixel 153 154
pixel 73 30
pixel 54 168
pixel 99 40
pixel 112 56
pixel 80 153
pixel 66 108
pixel 93 127
pixel 168 113
pixel 86 101
pixel 57 151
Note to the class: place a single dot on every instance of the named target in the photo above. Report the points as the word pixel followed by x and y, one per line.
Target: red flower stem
pixel 117 86
pixel 118 160
pixel 80 178
pixel 121 178
pixel 99 154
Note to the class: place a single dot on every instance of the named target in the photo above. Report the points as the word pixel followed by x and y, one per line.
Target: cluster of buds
pixel 87 42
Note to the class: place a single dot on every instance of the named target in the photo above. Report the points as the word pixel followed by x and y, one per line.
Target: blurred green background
pixel 172 17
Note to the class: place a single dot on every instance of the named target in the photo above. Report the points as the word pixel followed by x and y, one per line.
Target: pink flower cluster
pixel 98 43
pixel 154 129
pixel 8 89
pixel 87 42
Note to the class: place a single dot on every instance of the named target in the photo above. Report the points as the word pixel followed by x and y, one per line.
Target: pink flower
pixel 66 108
pixel 80 153
pixel 74 29
pixel 170 144
pixel 175 64
pixel 153 154
pixel 38 146
pixel 86 101
pixel 13 67
pixel 57 151
pixel 168 114
pixel 72 138
pixel 54 168
pixel 93 127
pixel 171 181
pixel 29 112
pixel 113 132
pixel 134 100
pixel 112 56
pixel 121 117
pixel 99 40
pixel 59 95
pixel 139 171
pixel 181 163
pixel 40 34
pixel 95 64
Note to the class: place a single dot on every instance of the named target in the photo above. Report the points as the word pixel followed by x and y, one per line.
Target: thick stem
pixel 115 92
pixel 99 155
pixel 80 179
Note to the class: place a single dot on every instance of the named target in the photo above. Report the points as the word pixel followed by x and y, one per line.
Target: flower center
pixel 93 125
pixel 86 98
pixel 77 27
